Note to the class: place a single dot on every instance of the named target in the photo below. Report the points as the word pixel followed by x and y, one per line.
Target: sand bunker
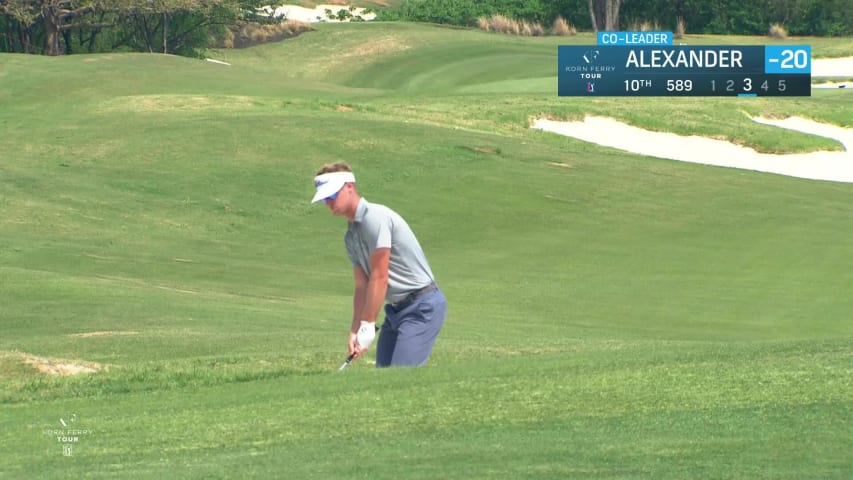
pixel 832 67
pixel 52 366
pixel 832 166
pixel 842 68
pixel 320 13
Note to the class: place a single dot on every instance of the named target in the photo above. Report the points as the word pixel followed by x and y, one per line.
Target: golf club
pixel 346 362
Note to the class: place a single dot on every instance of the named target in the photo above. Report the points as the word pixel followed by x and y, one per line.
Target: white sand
pixel 313 15
pixel 833 67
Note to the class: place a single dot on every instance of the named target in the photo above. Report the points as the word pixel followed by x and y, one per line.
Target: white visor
pixel 329 184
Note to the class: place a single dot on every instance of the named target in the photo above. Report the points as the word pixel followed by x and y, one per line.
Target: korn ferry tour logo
pixel 590 55
pixel 582 68
pixel 68 432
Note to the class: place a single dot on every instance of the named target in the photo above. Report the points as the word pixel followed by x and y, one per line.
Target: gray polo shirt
pixel 377 226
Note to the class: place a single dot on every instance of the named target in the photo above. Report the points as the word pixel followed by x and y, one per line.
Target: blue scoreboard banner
pixel 668 70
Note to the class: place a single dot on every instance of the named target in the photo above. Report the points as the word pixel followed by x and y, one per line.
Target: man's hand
pixel 361 340
pixel 353 346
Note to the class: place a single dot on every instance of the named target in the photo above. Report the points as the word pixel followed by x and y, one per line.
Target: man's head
pixel 335 185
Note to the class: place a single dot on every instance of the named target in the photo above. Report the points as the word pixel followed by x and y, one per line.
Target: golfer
pixel 389 267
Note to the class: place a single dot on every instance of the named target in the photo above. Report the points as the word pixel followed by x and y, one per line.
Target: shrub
pixel 537 29
pixel 484 24
pixel 562 28
pixel 645 26
pixel 246 34
pixel 501 24
pixel 463 12
pixel 777 31
pixel 227 40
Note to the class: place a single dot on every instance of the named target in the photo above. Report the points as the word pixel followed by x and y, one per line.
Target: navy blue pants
pixel 408 335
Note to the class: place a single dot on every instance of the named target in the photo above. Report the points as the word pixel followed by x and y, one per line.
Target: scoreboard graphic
pixel 620 65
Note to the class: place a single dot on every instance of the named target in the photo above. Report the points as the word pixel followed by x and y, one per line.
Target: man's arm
pixel 378 284
pixel 359 295
pixel 369 293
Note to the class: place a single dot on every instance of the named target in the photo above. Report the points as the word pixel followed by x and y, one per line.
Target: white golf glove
pixel 366 333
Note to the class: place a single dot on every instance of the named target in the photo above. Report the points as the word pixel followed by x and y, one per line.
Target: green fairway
pixel 611 316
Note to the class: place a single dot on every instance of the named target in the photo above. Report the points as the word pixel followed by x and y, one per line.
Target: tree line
pixel 56 27
pixel 739 17
pixel 187 27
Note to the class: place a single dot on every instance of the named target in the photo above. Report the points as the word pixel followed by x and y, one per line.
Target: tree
pixel 604 14
pixel 167 26
pixel 54 16
pixel 22 16
pixel 58 15
pixel 170 26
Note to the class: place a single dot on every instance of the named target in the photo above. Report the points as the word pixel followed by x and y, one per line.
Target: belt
pixel 411 297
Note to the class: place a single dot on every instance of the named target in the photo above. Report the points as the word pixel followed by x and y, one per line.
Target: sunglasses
pixel 332 196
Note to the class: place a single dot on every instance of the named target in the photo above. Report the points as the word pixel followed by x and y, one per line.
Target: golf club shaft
pixel 348 360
